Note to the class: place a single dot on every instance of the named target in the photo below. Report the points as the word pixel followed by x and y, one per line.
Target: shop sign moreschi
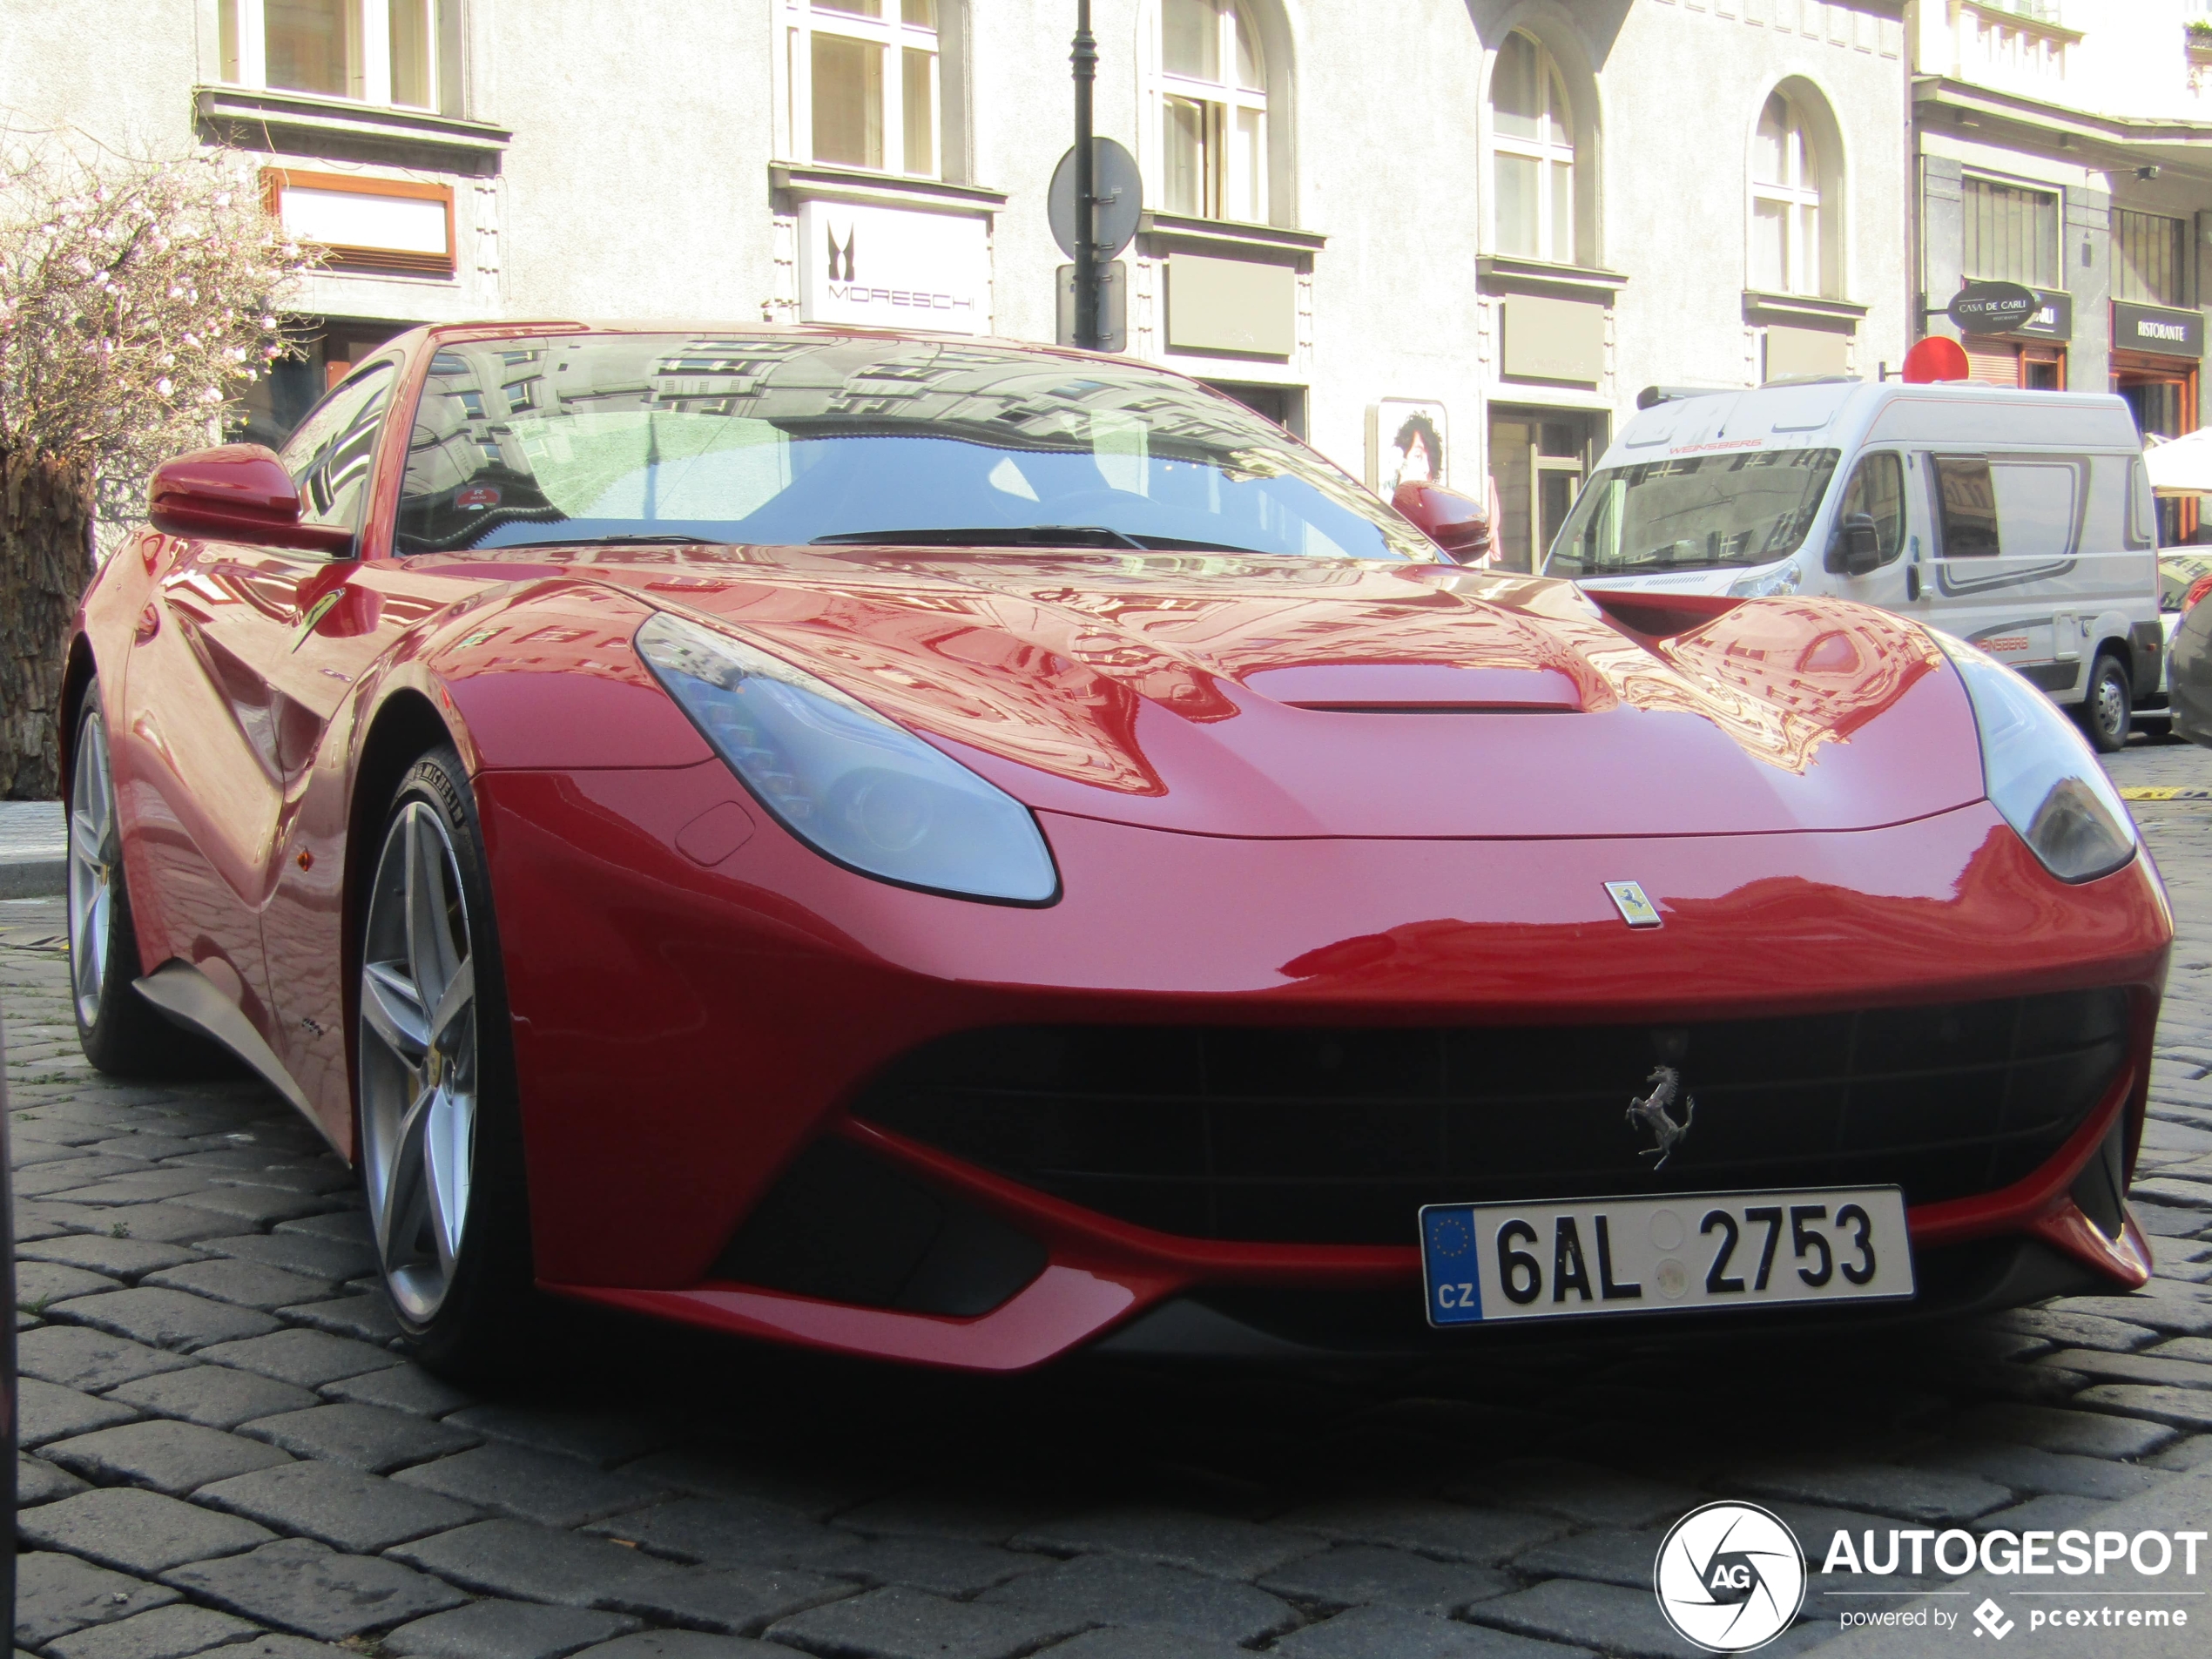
pixel 892 268
pixel 2157 328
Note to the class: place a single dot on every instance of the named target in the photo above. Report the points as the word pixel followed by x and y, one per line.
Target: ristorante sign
pixel 892 268
pixel 2169 332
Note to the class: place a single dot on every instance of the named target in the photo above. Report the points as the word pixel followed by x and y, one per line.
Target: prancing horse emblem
pixel 1650 1111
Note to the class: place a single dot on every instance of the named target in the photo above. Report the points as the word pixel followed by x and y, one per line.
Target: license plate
pixel 1484 1262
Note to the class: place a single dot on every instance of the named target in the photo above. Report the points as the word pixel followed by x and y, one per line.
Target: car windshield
pixel 2177 573
pixel 790 438
pixel 1692 512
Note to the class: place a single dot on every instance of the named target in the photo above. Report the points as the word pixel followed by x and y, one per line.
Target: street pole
pixel 1085 59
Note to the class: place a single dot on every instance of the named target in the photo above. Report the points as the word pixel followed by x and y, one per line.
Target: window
pixel 1695 512
pixel 1878 490
pixel 1966 507
pixel 1213 111
pixel 2011 234
pixel 1531 142
pixel 329 456
pixel 2149 251
pixel 2143 509
pixel 865 89
pixel 1785 202
pixel 374 51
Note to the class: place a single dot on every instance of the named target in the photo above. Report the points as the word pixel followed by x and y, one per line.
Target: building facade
pixel 2066 146
pixel 1450 239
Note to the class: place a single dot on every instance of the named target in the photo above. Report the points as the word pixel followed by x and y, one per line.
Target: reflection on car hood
pixel 1298 697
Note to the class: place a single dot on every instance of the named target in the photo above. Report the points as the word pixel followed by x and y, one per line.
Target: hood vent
pixel 1417 688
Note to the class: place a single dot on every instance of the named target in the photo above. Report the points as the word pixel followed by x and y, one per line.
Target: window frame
pixel 1901 524
pixel 2124 274
pixel 1543 152
pixel 2052 268
pixel 1939 465
pixel 890 34
pixel 242 54
pixel 1802 202
pixel 1222 101
pixel 360 434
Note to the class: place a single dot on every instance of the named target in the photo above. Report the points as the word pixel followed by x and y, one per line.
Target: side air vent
pixel 844 1226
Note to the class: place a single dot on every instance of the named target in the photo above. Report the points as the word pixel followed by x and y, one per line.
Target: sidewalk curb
pixel 33 878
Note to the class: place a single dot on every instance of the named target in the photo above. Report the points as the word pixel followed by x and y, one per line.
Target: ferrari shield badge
pixel 1636 910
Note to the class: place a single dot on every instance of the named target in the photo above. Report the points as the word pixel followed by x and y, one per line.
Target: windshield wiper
pixel 621 539
pixel 988 536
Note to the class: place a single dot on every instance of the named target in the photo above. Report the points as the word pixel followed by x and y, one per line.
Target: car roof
pixel 1833 414
pixel 462 331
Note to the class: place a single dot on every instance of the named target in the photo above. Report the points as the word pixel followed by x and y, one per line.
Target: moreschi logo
pixel 1730 1577
pixel 840 256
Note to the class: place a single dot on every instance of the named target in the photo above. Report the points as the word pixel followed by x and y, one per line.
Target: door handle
pixel 149 625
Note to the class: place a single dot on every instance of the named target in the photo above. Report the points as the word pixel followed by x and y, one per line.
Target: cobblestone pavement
pixel 223 1449
pixel 34 847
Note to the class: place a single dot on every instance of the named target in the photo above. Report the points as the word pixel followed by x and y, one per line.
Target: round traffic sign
pixel 1117 193
pixel 1937 358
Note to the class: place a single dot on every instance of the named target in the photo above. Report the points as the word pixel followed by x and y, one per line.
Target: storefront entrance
pixel 1538 460
pixel 329 348
pixel 1285 405
pixel 2162 392
pixel 1994 362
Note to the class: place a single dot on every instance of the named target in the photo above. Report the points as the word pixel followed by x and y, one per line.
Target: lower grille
pixel 1338 1137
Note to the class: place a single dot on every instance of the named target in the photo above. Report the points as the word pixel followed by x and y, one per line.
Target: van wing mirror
pixel 239 492
pixel 1456 523
pixel 1857 546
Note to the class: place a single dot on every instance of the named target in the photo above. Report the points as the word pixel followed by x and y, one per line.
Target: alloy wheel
pixel 94 851
pixel 418 1061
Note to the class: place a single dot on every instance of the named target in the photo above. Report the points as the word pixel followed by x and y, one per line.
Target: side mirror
pixel 238 493
pixel 1857 546
pixel 1458 525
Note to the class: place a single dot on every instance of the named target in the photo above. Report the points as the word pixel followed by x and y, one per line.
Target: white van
pixel 2021 521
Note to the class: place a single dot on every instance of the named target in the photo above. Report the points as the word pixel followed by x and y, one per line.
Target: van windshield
pixel 1693 513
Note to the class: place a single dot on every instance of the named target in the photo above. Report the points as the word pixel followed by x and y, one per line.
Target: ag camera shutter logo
pixel 1730 1577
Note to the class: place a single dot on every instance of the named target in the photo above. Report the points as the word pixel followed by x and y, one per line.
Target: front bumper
pixel 683 1029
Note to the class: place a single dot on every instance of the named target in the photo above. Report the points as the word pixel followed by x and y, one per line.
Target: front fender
pixel 549 680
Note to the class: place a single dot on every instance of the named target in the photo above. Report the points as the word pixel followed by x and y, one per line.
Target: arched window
pixel 1213 111
pixel 1786 252
pixel 864 85
pixel 1532 143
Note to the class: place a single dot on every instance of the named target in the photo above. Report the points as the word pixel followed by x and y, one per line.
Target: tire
pixel 2107 707
pixel 438 1128
pixel 121 1033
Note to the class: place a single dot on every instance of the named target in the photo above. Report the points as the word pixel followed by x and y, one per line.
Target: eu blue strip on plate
pixel 1450 1271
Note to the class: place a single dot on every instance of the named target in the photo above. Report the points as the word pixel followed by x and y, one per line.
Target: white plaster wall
pixel 637 181
pixel 1683 88
pixel 125 83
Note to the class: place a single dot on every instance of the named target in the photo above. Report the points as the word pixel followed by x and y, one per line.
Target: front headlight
pixel 845 780
pixel 1768 584
pixel 2039 772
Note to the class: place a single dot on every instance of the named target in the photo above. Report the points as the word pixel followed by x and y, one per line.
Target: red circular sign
pixel 1936 358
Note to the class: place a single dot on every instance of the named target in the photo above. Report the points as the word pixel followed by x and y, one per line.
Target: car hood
pixel 1269 695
